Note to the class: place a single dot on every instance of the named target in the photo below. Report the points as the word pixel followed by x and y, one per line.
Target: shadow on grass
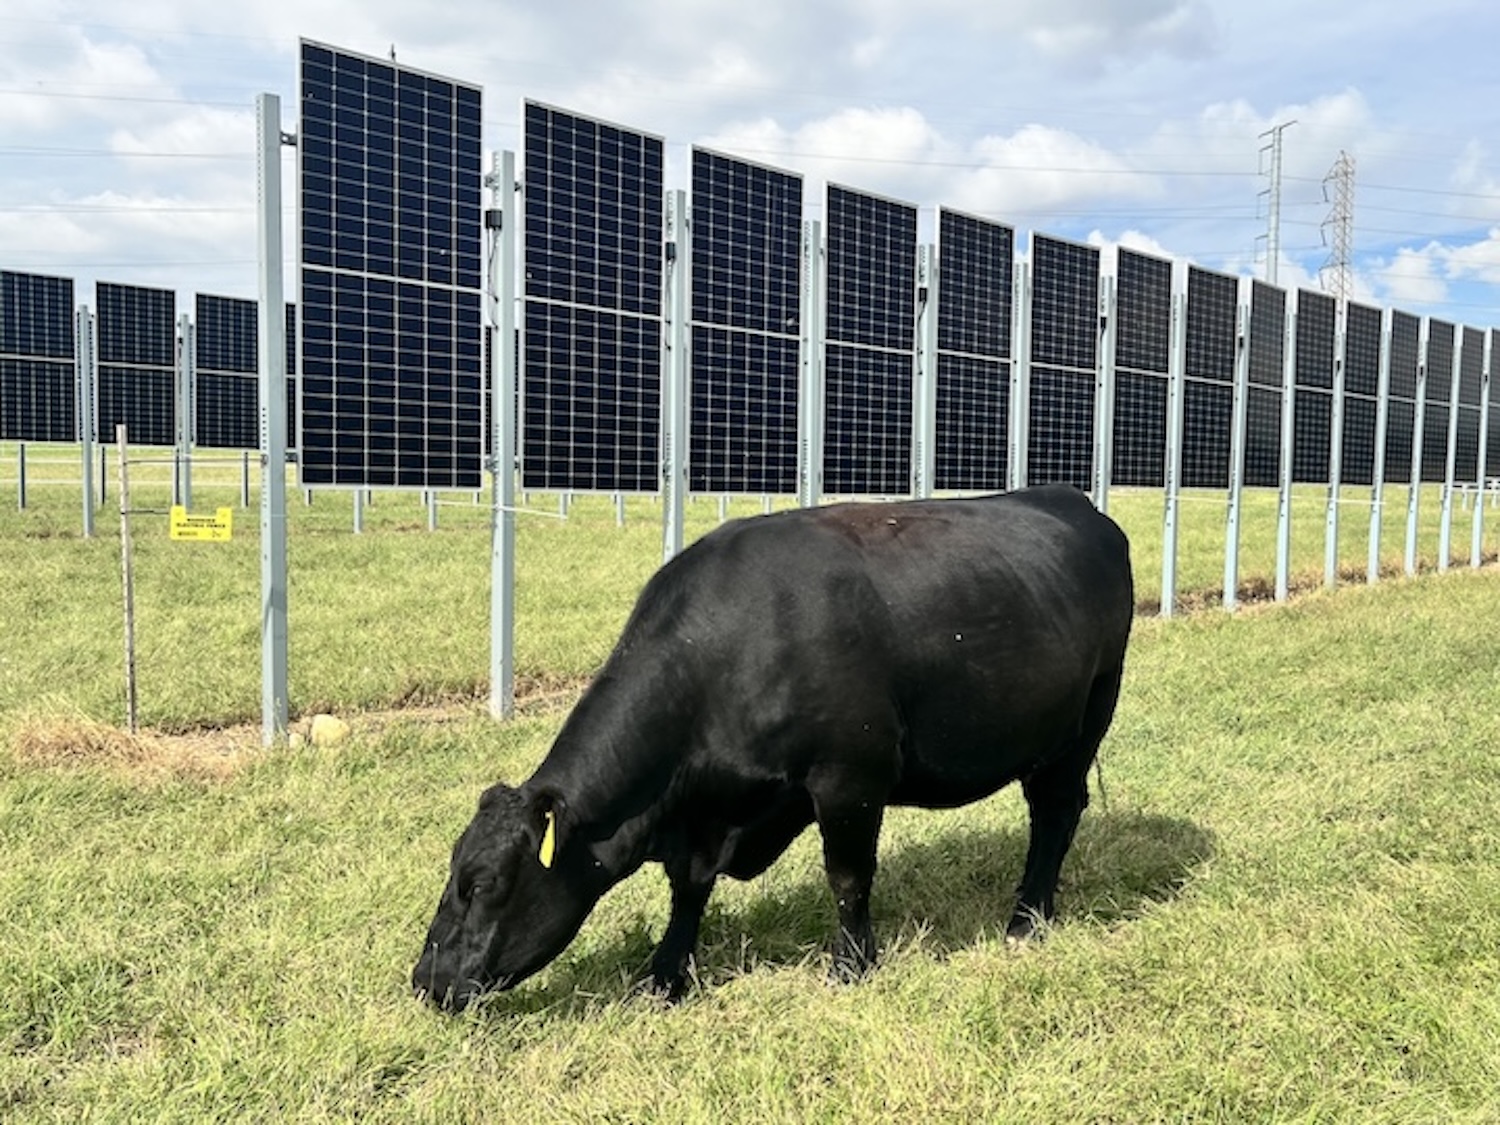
pixel 956 890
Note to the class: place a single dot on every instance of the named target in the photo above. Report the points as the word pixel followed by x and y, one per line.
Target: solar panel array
pixel 137 360
pixel 1436 402
pixel 1143 343
pixel 1267 345
pixel 746 294
pixel 871 250
pixel 1212 303
pixel 38 382
pixel 392 280
pixel 592 262
pixel 974 307
pixel 1064 361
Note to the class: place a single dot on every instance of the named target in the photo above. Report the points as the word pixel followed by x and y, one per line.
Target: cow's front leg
pixel 674 953
pixel 851 834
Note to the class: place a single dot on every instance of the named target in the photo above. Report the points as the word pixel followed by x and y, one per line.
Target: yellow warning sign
pixel 216 528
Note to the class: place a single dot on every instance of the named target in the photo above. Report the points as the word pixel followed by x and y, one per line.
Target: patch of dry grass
pixel 61 740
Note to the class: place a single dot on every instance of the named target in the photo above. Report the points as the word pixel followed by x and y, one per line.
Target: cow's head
pixel 515 898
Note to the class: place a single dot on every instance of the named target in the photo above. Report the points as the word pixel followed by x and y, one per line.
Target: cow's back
pixel 952 642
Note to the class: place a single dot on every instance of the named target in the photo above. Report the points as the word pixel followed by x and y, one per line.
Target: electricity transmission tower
pixel 1337 274
pixel 1270 165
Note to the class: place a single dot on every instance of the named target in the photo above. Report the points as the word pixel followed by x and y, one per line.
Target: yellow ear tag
pixel 549 840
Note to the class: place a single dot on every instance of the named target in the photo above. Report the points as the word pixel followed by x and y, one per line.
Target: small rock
pixel 296 739
pixel 327 730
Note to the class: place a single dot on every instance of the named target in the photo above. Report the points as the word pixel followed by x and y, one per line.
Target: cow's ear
pixel 546 815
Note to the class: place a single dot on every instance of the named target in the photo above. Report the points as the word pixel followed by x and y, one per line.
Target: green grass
pixel 1282 908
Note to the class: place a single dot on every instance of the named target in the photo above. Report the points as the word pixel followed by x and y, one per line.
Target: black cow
pixel 812 665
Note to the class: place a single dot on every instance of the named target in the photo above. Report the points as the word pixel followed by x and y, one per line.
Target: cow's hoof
pixel 1026 928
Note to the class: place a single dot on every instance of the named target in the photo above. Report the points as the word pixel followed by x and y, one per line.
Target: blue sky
pixel 127 131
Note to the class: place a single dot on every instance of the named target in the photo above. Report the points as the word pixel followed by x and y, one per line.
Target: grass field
pixel 1282 908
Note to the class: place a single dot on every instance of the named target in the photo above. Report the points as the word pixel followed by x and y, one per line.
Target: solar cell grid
pixel 1205 440
pixel 744 412
pixel 391 243
pixel 38 383
pixel 1466 446
pixel 1065 304
pixel 1140 430
pixel 871 250
pixel 1439 361
pixel 1316 317
pixel 1267 336
pixel 747 238
pixel 972 400
pixel 1143 302
pixel 973 410
pixel 1061 447
pixel 1400 427
pixel 592 413
pixel 593 205
pixel 1263 437
pixel 1362 332
pixel 1434 441
pixel 1358 460
pixel 36 315
pixel 976 259
pixel 1471 367
pixel 1406 355
pixel 226 393
pixel 746 292
pixel 137 376
pixel 1212 303
pixel 868 445
pixel 38 400
pixel 871 253
pixel 1312 438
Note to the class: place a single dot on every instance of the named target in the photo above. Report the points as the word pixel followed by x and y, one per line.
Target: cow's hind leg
pixel 1057 794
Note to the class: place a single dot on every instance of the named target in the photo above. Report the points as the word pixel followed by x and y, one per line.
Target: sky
pixel 127 132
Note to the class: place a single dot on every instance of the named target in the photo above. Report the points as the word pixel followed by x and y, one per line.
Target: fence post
pixel 21 476
pixel 127 578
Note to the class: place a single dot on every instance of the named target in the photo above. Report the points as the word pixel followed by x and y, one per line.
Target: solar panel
pixel 1212 309
pixel 871 253
pixel 1143 342
pixel 226 391
pixel 38 382
pixel 1438 395
pixel 972 403
pixel 1401 411
pixel 1492 435
pixel 1267 362
pixel 1362 344
pixel 746 294
pixel 1064 358
pixel 389 165
pixel 1206 418
pixel 1312 438
pixel 137 359
pixel 1470 388
pixel 592 256
pixel 1210 328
